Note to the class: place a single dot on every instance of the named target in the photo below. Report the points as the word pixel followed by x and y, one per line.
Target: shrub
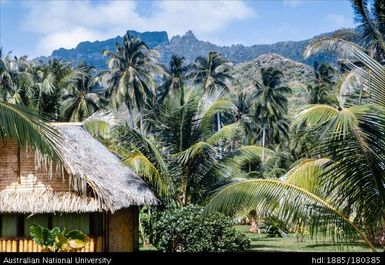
pixel 184 229
pixel 58 240
pixel 275 227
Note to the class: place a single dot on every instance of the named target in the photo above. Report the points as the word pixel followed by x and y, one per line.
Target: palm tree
pixel 131 75
pixel 174 78
pixel 17 122
pixel 212 73
pixel 370 16
pixel 369 34
pixel 79 98
pixel 347 140
pixel 42 88
pixel 319 93
pixel 271 105
pixel 184 135
pixel 48 81
pixel 14 79
pixel 343 179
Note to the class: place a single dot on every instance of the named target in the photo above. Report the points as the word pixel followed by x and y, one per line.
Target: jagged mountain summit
pixel 186 45
pixel 91 52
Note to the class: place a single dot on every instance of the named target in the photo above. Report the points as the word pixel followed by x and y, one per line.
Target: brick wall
pixel 18 171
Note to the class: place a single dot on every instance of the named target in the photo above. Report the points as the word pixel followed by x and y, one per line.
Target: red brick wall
pixel 18 171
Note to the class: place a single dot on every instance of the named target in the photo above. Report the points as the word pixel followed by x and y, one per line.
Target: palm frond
pixel 19 124
pixel 343 48
pixel 140 164
pixel 315 114
pixel 306 174
pixel 294 205
pixel 248 154
pixel 227 132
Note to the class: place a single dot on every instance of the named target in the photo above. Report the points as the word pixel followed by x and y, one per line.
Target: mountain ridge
pixel 186 45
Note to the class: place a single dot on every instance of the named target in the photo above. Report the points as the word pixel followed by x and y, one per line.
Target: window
pixel 16 225
pixel 37 219
pixel 72 221
pixel 9 225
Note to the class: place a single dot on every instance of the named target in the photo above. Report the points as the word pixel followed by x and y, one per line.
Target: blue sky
pixel 38 27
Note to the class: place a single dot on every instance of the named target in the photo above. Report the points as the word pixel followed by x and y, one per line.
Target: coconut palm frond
pixel 140 164
pixel 247 154
pixel 315 114
pixel 351 88
pixel 226 133
pixel 149 149
pixel 101 123
pixel 343 48
pixel 306 174
pixel 19 124
pixel 211 109
pixel 356 148
pixel 374 75
pixel 294 205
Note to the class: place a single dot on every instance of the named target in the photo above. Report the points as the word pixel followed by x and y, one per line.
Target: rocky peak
pixel 189 34
pixel 187 37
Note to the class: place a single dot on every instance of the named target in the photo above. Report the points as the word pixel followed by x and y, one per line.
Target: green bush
pixel 184 230
pixel 58 240
pixel 275 227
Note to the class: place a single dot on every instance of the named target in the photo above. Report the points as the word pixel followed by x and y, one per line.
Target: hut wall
pixel 123 232
pixel 20 172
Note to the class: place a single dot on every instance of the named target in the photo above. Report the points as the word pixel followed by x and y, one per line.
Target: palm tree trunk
pixel 181 95
pixel 141 231
pixel 263 142
pixel 131 119
pixel 141 122
pixel 218 121
pixel 221 143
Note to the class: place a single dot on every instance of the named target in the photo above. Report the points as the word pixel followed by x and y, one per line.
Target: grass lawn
pixel 259 242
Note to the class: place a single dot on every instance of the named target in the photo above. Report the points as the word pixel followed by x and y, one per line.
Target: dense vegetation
pixel 184 229
pixel 198 139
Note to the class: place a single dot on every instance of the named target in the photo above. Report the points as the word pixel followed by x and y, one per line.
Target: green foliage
pixel 57 240
pixel 20 124
pixel 274 227
pixel 271 107
pixel 130 76
pixel 184 230
pixel 79 101
pixel 212 73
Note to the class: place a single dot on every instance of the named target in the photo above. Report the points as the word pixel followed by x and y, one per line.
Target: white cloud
pixel 338 21
pixel 66 23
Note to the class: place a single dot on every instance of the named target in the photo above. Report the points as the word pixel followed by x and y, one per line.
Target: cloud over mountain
pixel 66 23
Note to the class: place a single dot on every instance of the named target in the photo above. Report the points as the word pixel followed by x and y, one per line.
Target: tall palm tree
pixel 319 93
pixel 42 88
pixel 271 105
pixel 179 155
pixel 131 75
pixel 186 134
pixel 343 179
pixel 212 73
pixel 369 14
pixel 174 78
pixel 79 98
pixel 15 80
pixel 17 123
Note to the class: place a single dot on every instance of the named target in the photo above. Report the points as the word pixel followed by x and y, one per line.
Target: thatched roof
pixel 90 164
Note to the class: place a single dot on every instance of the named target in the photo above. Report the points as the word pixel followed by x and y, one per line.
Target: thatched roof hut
pixel 89 164
pixel 89 179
